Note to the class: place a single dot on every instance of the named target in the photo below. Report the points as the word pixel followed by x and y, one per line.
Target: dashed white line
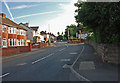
pixel 62 49
pixel 4 75
pixel 42 58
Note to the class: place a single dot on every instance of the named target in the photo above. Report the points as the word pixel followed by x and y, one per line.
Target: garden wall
pixel 108 52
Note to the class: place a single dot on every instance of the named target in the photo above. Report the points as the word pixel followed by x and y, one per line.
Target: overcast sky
pixel 49 16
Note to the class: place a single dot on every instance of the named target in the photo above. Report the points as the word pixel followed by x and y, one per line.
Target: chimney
pixel 27 24
pixel 3 15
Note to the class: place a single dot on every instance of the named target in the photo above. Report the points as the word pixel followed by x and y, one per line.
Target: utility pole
pixel 49 32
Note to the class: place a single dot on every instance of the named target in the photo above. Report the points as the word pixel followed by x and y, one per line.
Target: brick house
pixel 29 32
pixel 13 36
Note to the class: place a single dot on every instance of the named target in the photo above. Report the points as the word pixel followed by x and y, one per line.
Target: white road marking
pixel 66 66
pixel 65 60
pixel 42 58
pixel 73 53
pixel 20 64
pixel 62 49
pixel 4 75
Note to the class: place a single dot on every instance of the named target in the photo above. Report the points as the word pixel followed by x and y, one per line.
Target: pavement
pixel 90 68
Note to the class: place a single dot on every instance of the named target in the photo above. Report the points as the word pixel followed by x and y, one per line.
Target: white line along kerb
pixel 42 58
pixel 4 75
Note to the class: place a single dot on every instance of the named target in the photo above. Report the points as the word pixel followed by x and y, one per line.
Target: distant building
pixel 36 34
pixel 81 35
pixel 12 34
pixel 29 32
pixel 48 36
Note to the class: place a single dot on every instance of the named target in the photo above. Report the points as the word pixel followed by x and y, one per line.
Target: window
pixel 12 42
pixel 21 42
pixel 21 32
pixel 4 43
pixel 18 32
pixel 4 28
pixel 12 30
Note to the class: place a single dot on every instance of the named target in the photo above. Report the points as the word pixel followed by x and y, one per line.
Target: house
pixel 29 32
pixel 13 37
pixel 48 36
pixel 81 35
pixel 36 34
pixel 45 35
pixel 12 34
pixel 52 37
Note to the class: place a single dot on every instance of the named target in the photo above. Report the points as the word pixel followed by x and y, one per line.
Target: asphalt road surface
pixel 48 64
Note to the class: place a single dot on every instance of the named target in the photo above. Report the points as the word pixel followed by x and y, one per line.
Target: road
pixel 48 64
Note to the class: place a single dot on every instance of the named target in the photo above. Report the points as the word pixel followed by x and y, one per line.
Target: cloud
pixel 8 9
pixel 35 14
pixel 59 23
pixel 23 6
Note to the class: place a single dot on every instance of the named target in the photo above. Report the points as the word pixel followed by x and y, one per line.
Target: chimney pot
pixel 3 15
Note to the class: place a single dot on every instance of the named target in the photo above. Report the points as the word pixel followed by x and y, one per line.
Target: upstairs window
pixel 12 30
pixel 4 28
pixel 21 32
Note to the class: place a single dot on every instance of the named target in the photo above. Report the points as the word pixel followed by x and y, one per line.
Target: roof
pixel 35 28
pixel 25 26
pixel 9 22
pixel 44 32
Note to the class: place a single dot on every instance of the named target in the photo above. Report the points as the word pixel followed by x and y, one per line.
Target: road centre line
pixel 42 58
pixel 4 75
pixel 62 49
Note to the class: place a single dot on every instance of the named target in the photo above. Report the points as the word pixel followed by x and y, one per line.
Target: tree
pixel 58 33
pixel 62 33
pixel 72 31
pixel 102 18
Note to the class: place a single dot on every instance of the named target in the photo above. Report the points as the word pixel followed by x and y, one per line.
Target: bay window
pixel 12 42
pixel 21 32
pixel 12 30
pixel 21 42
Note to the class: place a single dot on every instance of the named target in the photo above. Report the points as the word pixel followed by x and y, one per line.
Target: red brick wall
pixel 23 48
pixel 41 45
pixel 76 41
pixel 10 51
pixel 15 50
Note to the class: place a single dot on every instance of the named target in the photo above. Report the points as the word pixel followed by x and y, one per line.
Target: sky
pixel 49 16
